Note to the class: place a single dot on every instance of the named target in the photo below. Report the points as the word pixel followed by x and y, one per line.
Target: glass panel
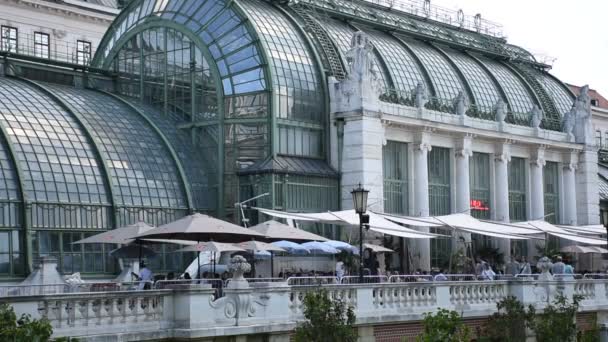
pixel 517 94
pixel 551 188
pixel 517 190
pixel 479 179
pixel 439 202
pixel 59 163
pixel 394 168
pixel 142 168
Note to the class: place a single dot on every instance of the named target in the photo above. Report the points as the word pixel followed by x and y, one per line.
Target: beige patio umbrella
pixel 277 231
pixel 212 246
pixel 121 236
pixel 198 227
pixel 254 246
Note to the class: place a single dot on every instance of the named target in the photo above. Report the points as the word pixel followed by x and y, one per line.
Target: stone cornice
pixel 67 10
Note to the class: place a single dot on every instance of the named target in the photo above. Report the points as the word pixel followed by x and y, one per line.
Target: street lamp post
pixel 605 222
pixel 360 204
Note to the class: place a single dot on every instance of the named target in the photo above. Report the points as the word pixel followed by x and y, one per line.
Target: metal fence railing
pixel 50 289
pixel 409 278
pixel 368 279
pixel 312 281
pixel 595 276
pixel 41 45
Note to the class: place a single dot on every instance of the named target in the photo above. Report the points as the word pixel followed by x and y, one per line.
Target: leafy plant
pixel 508 324
pixel 557 322
pixel 444 326
pixel 327 320
pixel 25 329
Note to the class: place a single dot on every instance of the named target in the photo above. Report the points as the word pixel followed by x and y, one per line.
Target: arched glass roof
pixel 562 97
pixel 58 161
pixel 518 96
pixel 218 24
pixel 9 184
pixel 401 65
pixel 445 80
pixel 196 167
pixel 342 35
pixel 141 167
pixel 484 89
pixel 295 71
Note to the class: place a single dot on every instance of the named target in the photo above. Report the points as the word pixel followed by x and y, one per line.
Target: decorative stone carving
pixel 581 114
pixel 500 111
pixel 544 265
pixel 568 123
pixel 461 104
pixel 422 96
pixel 361 88
pixel 536 117
pixel 238 266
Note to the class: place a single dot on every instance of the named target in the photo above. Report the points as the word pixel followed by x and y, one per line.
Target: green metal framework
pixel 551 188
pixel 518 200
pixel 479 180
pixel 439 162
pixel 394 171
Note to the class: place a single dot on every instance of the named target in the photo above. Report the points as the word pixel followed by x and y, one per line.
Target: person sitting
pixel 144 277
pixel 440 276
pixel 187 276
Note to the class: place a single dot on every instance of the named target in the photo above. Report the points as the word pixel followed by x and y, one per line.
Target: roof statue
pixel 568 123
pixel 581 114
pixel 536 117
pixel 422 97
pixel 500 110
pixel 361 88
pixel 461 104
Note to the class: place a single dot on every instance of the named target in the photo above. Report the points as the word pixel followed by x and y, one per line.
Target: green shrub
pixel 25 329
pixel 444 326
pixel 327 320
pixel 506 325
pixel 557 323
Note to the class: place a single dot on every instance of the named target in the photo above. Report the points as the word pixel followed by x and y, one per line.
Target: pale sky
pixel 575 32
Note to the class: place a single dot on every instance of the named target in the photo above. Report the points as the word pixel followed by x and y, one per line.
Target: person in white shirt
pixel 440 276
pixel 145 275
pixel 339 269
pixel 487 273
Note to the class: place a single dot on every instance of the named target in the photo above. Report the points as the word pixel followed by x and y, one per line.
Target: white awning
pixel 548 228
pixel 590 230
pixel 351 218
pixel 469 224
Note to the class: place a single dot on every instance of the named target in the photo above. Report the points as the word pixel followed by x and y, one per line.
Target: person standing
pixel 512 267
pixel 145 276
pixel 558 267
pixel 525 267
pixel 339 269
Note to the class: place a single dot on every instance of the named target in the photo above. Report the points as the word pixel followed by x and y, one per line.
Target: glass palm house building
pixel 195 105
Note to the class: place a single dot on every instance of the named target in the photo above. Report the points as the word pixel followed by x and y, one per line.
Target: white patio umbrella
pixel 291 247
pixel 276 231
pixel 342 246
pixel 256 246
pixel 120 236
pixel 211 246
pixel 377 249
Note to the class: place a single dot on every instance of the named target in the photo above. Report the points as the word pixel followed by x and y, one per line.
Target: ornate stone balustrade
pixel 192 311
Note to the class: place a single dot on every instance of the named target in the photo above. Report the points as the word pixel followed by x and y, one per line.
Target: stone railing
pixel 193 311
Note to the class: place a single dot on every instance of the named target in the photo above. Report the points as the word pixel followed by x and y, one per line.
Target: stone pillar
pixel 501 175
pixel 362 160
pixel 569 180
pixel 421 247
pixel 537 194
pixel 587 196
pixel 463 189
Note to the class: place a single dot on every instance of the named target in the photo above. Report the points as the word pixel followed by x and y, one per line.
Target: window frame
pixel 86 54
pixel 3 37
pixel 42 53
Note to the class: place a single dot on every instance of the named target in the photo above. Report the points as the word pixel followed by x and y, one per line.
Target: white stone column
pixel 463 189
pixel 421 247
pixel 537 193
pixel 587 195
pixel 569 193
pixel 362 160
pixel 501 212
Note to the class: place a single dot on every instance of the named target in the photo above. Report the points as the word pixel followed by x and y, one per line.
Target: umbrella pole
pixel 271 264
pixel 139 253
pixel 198 261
